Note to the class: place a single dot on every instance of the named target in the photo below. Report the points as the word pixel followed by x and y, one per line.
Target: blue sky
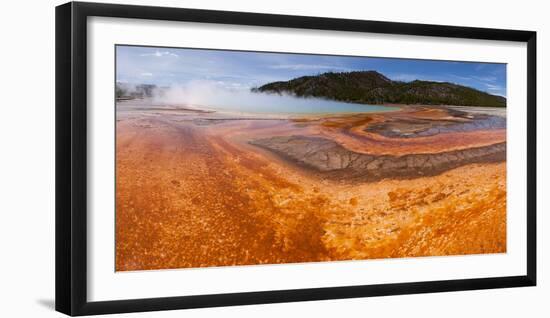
pixel 238 70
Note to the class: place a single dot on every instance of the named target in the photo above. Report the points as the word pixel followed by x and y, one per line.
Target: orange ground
pixel 196 196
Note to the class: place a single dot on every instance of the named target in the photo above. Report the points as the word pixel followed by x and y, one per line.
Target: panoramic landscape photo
pixel 245 158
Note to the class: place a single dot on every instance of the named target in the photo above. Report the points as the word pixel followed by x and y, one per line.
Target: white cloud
pixel 480 67
pixel 146 74
pixel 476 78
pixel 485 78
pixel 160 54
pixel 403 77
pixel 406 77
pixel 465 78
pixel 306 67
pixel 492 87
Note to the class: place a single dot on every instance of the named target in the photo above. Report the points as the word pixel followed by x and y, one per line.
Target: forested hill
pixel 371 87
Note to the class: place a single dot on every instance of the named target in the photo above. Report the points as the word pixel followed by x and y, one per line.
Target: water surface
pixel 285 104
pixel 258 103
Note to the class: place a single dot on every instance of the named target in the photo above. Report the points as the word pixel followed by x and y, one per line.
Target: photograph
pixel 248 159
pixel 228 157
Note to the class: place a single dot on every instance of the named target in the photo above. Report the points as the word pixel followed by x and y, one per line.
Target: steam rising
pixel 221 97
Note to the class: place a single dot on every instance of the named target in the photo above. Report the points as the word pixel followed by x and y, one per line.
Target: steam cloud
pixel 218 96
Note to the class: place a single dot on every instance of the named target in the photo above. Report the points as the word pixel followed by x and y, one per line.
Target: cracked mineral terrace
pixel 333 160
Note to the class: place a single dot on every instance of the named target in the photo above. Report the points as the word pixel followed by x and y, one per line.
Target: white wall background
pixel 27 158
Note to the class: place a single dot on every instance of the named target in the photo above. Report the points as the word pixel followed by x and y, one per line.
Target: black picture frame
pixel 71 157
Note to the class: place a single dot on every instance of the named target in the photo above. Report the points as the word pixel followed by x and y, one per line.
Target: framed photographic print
pixel 208 158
